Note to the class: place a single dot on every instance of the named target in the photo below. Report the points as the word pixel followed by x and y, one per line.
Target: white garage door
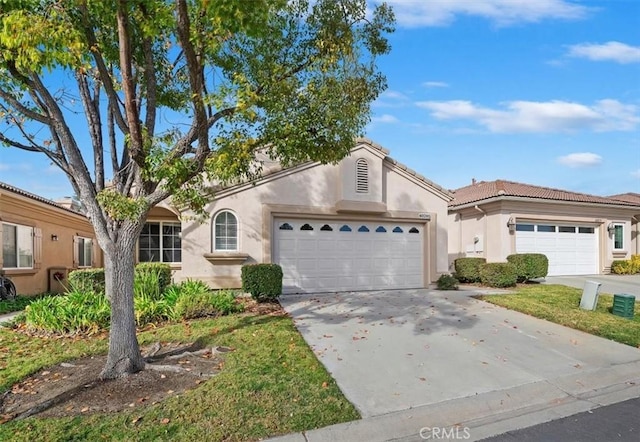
pixel 322 256
pixel 571 249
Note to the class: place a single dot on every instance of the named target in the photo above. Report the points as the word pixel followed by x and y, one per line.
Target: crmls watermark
pixel 443 433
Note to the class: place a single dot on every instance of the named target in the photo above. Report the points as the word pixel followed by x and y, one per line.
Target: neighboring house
pixel 40 238
pixel 580 234
pixel 365 223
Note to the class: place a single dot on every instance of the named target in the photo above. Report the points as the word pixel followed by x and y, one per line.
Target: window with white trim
pixel 225 229
pixel 362 176
pixel 17 246
pixel 618 237
pixel 84 251
pixel 160 241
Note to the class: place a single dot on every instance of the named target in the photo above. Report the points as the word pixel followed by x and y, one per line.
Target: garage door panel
pixel 569 253
pixel 337 260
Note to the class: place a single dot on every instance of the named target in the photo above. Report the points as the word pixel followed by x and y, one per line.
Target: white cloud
pixel 580 159
pixel 385 118
pixel 636 174
pixel 610 51
pixel 390 98
pixel 540 117
pixel 420 13
pixel 435 84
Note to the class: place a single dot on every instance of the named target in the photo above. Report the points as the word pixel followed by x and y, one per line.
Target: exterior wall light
pixel 611 228
pixel 511 224
pixel 54 237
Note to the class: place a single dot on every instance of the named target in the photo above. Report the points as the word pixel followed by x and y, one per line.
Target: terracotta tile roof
pixel 484 190
pixel 35 197
pixel 629 197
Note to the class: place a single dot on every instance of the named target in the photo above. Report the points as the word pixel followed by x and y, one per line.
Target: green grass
pixel 20 303
pixel 560 304
pixel 271 384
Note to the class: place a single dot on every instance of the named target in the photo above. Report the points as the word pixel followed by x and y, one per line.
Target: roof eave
pixel 545 200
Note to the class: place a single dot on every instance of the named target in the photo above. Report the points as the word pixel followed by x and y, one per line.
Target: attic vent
pixel 362 176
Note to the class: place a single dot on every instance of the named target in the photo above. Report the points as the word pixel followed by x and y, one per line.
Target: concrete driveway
pixel 395 350
pixel 611 284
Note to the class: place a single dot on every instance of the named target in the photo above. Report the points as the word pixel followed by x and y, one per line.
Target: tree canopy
pixel 141 100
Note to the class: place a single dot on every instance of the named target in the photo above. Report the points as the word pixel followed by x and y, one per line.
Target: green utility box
pixel 623 305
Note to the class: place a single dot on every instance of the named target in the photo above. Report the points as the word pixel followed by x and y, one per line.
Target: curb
pixel 489 414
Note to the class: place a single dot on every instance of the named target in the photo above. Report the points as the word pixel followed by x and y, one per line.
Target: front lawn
pixel 560 304
pixel 271 384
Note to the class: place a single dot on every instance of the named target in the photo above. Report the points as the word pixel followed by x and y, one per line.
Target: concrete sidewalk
pixel 489 414
pixel 7 317
pixel 419 360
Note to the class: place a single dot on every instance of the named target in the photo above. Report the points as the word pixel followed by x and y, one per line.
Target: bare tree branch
pixel 105 76
pixel 95 125
pixel 23 109
pixel 128 86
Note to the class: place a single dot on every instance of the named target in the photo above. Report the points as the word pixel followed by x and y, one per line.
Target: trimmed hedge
pixel 498 274
pixel 83 280
pixel 447 282
pixel 87 280
pixel 159 269
pixel 529 265
pixel 262 281
pixel 468 269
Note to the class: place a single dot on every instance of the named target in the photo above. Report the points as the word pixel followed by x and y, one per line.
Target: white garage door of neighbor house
pixel 571 249
pixel 323 256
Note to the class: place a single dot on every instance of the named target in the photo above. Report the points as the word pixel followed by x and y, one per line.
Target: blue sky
pixel 545 92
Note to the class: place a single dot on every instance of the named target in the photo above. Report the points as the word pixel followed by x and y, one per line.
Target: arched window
pixel 225 232
pixel 362 176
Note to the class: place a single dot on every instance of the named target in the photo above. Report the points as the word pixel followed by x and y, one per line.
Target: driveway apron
pixel 395 350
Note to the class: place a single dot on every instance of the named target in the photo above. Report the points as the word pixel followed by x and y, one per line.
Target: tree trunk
pixel 124 352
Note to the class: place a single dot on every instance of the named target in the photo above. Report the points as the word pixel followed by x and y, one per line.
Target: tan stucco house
pixel 581 234
pixel 365 223
pixel 41 238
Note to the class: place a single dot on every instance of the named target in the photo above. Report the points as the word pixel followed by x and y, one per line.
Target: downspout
pixel 484 239
pixel 635 217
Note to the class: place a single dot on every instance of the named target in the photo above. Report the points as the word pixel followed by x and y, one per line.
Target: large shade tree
pixel 138 101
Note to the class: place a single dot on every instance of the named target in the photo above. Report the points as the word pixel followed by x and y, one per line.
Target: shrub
pixel 78 311
pixel 149 309
pixel 447 282
pixel 226 303
pixel 158 270
pixel 498 274
pixel 196 300
pixel 468 269
pixel 529 265
pixel 84 280
pixel 262 281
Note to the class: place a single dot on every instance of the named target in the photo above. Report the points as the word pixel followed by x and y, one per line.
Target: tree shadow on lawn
pixel 73 388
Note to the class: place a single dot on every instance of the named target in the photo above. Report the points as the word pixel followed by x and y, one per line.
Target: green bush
pixel 447 282
pixel 150 310
pixel 498 274
pixel 627 266
pixel 262 281
pixel 468 269
pixel 158 270
pixel 529 265
pixel 75 312
pixel 194 299
pixel 84 280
